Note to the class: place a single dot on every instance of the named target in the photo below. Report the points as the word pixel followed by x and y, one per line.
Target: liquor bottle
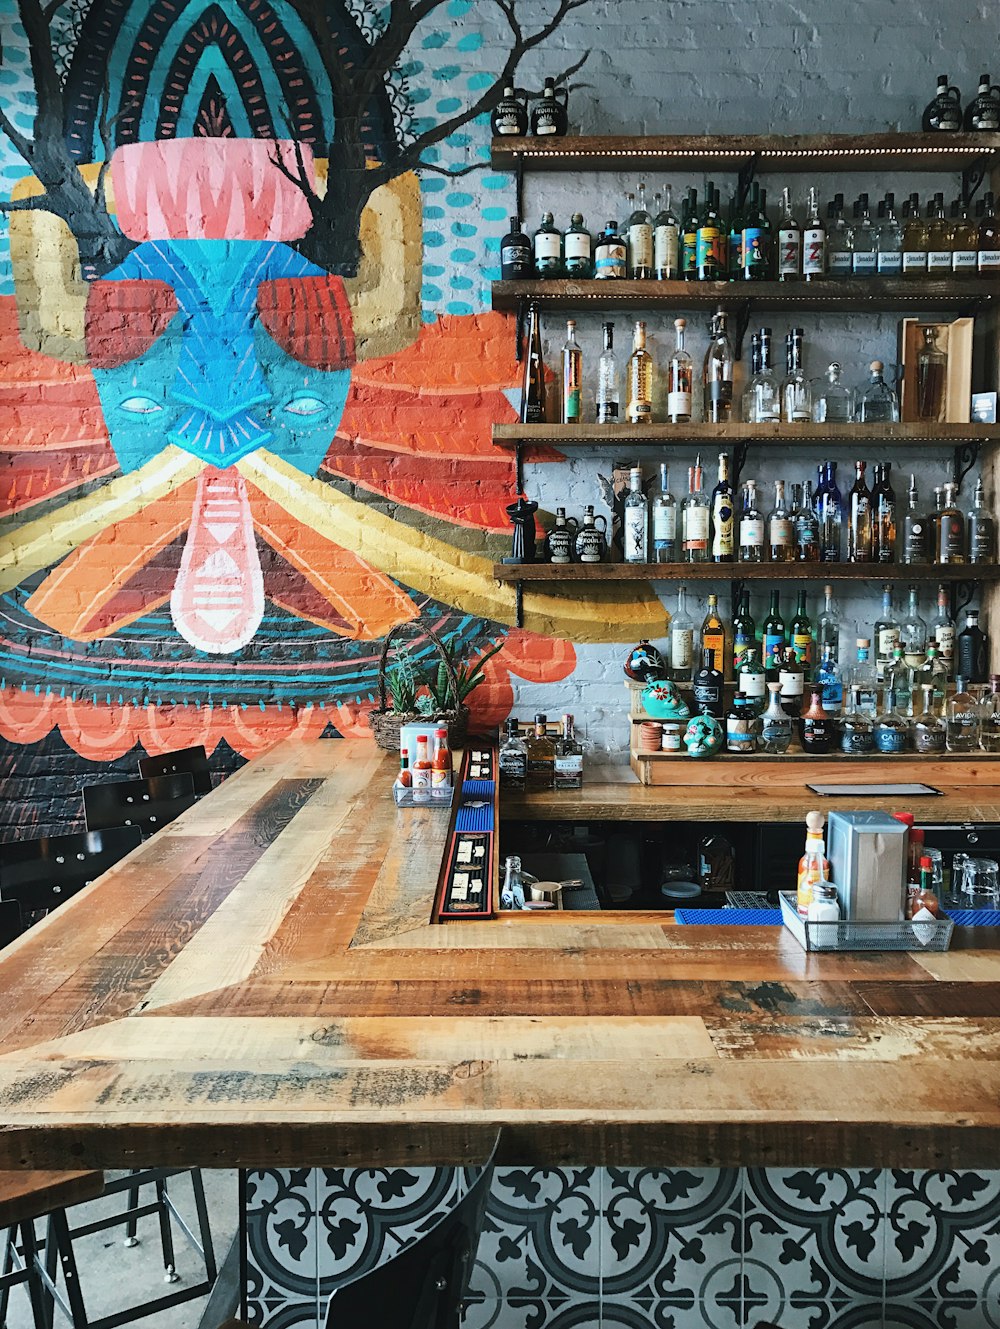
pixel 914 241
pixel 887 632
pixel 666 242
pixel 741 726
pixel 567 770
pixel 831 684
pixel 943 632
pixel 796 394
pixel 734 247
pixel 863 678
pixel 635 536
pixel 928 726
pixel 680 378
pixel 775 724
pixel 681 640
pixel 932 377
pixel 762 396
pixel 857 728
pixel 982 529
pixel 541 756
pixel 591 542
pixel 813 241
pixel 608 392
pixel 983 112
pixel 913 633
pixel 916 546
pixel 713 634
pixel 817 728
pixel 516 262
pixel 934 524
pixel 972 648
pixel 512 890
pixel 864 253
pixel 572 377
pixel 828 625
pixel 883 503
pixel 965 241
pixel 751 526
pixel 789 241
pixel 723 542
pixel 639 237
pixel 610 254
pixel 708 259
pixel 780 530
pixel 559 541
pixel 829 504
pixel 989 735
pixel 878 403
pixel 689 237
pixel 510 117
pixel 899 678
pixel 939 239
pixel 962 720
pixel 773 638
pixel 664 521
pixel 578 249
pixel 744 632
pixel 717 374
pixel 533 382
pixel 548 115
pixel 513 758
pixel 944 111
pixel 805 524
pixel 859 518
pixel 892 732
pixel 791 679
pixel 547 249
pixel 802 639
pixel 708 686
pixel 889 262
pixel 932 675
pixel 988 257
pixel 833 402
pixel 751 681
pixel 951 527
pixel 695 520
pixel 839 242
pixel 639 410
pixel 756 239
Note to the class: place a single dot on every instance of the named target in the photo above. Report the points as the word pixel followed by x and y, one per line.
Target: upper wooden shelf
pixel 555 572
pixel 876 293
pixel 798 153
pixel 807 435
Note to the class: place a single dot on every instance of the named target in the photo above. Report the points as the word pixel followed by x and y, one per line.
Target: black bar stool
pixel 41 874
pixel 185 761
pixel 10 927
pixel 149 804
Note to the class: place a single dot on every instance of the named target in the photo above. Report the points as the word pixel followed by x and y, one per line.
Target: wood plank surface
pixel 260 985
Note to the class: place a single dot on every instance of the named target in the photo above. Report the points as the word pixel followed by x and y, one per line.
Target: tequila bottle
pixel 541 756
pixel 723 544
pixel 951 529
pixel 805 523
pixel 816 726
pixel 972 649
pixel 883 515
pixel 762 396
pixel 664 520
pixel 857 728
pixel 887 633
pixel 878 403
pixel 680 378
pixel 988 256
pixel 932 376
pixel 695 520
pixel 899 678
pixel 568 764
pixel 751 526
pixel 916 543
pixel 859 522
pixel 983 112
pixel 913 634
pixel 838 242
pixel 864 253
pixel 965 241
pixel 639 410
pixel 833 403
pixel 708 687
pixel 828 677
pixel 828 625
pixel 813 241
pixel 796 394
pixel 636 525
pixel 572 374
pixel 717 373
pixel 789 241
pixel 513 758
pixel 943 632
pixel 928 726
pixel 681 640
pixel 516 262
pixel 962 720
pixel 608 391
pixel 990 732
pixel 944 110
pixel 863 679
pixel 780 530
pixel 892 732
pixel 533 382
pixel 933 675
pixel 890 242
pixel 666 242
pixel 982 529
pixel 829 505
pixel 639 235
pixel 940 239
pixel 578 249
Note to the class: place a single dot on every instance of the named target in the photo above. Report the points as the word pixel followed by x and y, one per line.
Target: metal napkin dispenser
pixel 867 854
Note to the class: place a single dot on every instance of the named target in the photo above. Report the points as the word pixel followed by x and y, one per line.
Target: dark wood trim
pixel 556 572
pixel 936 436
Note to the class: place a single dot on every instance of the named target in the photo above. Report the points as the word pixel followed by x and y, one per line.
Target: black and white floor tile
pixel 648 1248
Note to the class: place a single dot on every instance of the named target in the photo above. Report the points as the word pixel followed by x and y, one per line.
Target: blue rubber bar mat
pixel 474 819
pixel 975 918
pixel 477 789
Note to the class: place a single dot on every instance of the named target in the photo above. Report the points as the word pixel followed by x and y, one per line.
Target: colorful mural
pixel 237 448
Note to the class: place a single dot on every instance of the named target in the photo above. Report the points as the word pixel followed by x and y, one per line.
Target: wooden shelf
pixel 656 435
pixel 554 572
pixel 878 293
pixel 794 153
pixel 805 759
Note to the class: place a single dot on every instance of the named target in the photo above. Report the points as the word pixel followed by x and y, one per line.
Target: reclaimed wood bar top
pixel 259 985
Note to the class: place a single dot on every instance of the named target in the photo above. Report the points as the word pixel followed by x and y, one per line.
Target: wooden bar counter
pixel 260 985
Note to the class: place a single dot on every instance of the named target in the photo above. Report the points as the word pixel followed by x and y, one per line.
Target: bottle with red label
pixel 441 775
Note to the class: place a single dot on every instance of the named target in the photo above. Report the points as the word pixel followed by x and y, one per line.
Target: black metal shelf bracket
pixel 961 595
pixel 973 176
pixel 520 323
pixel 519 184
pixel 741 449
pixel 747 172
pixel 519 466
pixel 742 316
pixel 966 456
pixel 519 604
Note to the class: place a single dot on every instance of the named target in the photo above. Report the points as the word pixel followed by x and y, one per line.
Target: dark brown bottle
pixel 916 529
pixel 548 115
pixel 708 686
pixel 816 727
pixel 859 519
pixel 533 389
pixel 883 515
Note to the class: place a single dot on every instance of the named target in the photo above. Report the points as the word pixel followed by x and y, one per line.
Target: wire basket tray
pixel 845 935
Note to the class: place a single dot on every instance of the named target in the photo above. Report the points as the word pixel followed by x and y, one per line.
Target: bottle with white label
pixel 578 260
pixel 839 242
pixel 680 375
pixel 681 640
pixel 695 521
pixel 887 634
pixel 568 768
pixel 639 236
pixel 639 405
pixel 939 239
pixel 988 258
pixel 547 249
pixel 813 241
pixel 751 540
pixel 890 240
pixel 789 241
pixel 943 632
pixel 914 240
pixel 965 241
pixel 864 257
pixel 664 520
pixel 666 242
pixel 636 532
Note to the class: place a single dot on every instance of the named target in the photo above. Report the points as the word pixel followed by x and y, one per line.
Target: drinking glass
pixel 980 886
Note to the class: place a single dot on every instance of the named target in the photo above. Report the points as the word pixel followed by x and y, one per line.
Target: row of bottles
pixel 944 111
pixel 539 760
pixel 548 117
pixel 935 240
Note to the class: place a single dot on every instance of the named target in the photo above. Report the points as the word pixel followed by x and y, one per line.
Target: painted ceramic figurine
pixel 644 662
pixel 703 736
pixel 662 701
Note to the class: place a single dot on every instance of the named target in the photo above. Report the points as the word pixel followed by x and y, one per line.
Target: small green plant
pixel 469 677
pixel 403 681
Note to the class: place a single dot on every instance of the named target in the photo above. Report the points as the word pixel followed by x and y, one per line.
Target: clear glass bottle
pixel 982 529
pixel 839 242
pixel 859 521
pixel 717 374
pixel 776 724
pixel 940 239
pixel 863 678
pixel 990 732
pixel 943 632
pixel 780 529
pixel 864 253
pixel 965 241
pixel 568 765
pixel 513 758
pixel 608 400
pixel 889 262
pixel 892 730
pixel 639 408
pixel 723 501
pixel 916 528
pixel 828 503
pixel 932 377
pixel 751 546
pixel 680 378
pixel 899 678
pixel 829 678
pixel 512 890
pixel 639 237
pixel 805 523
pixel 695 519
pixel 878 403
pixel 572 377
pixel 887 633
pixel 664 520
pixel 914 241
pixel 713 634
pixel 828 625
pixel 857 727
pixel 666 242
pixel 913 633
pixel 883 515
pixel 635 534
pixel 813 241
pixel 682 640
pixel 610 254
pixel 741 726
pixel 833 402
pixel 932 674
pixel 578 249
pixel 796 394
pixel 789 241
pixel 762 396
pixel 547 248
pixel 963 721
pixel 951 529
pixel 541 756
pixel 988 256
pixel 751 680
pixel 928 726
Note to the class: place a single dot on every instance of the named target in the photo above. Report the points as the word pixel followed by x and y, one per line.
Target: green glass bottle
pixel 802 634
pixel 774 638
pixel 689 237
pixel 744 632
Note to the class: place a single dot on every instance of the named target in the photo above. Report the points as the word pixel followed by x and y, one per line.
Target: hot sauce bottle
pixel 813 865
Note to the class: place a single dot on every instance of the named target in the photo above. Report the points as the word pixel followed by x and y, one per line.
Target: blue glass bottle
pixel 828 674
pixel 829 505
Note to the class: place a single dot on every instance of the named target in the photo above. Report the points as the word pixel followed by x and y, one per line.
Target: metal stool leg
pixel 204 1227
pixel 131 1205
pixel 71 1277
pixel 36 1291
pixel 6 1265
pixel 166 1235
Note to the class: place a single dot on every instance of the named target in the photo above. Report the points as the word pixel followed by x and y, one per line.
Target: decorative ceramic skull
pixel 703 736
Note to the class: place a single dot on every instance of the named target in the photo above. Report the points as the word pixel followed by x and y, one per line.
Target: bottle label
pixel 720 392
pixel 944 636
pixel 916 542
pixel 754 247
pixel 739 734
pixel 610 261
pixel 789 252
pixel 741 644
pixel 708 247
pixel 773 642
pixel 572 407
pixel 548 245
pixel 753 684
pixel 803 643
pixel 792 682
pixel 681 648
pixel 833 696
pixel 863 262
pixel 635 536
pixel 939 260
pixel 678 403
pixel 840 262
pixel 640 244
pixel 569 763
pixel 507 119
pixel 577 244
pixel 914 260
pixel 513 765
pixel 707 694
pixel 964 260
pixel 814 252
pixel 689 253
pixel 890 262
pixel 546 121
pixel 776 730
pixel 888 640
pixel 665 247
pixel 664 523
pixel 722 535
pixel 559 541
pixel 806 532
pixel 607 412
pixel 953 539
pixel 782 532
pixel 981 543
pixel 989 258
pixel 517 258
pixel 856 740
pixel 696 528
pixel 890 739
pixel 751 532
pixel 816 730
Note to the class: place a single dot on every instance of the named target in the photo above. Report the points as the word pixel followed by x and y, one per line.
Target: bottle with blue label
pixel 829 679
pixel 610 253
pixel 892 730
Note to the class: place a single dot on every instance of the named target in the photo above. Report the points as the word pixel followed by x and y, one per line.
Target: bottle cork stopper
pixel 814 822
pixel 876 366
